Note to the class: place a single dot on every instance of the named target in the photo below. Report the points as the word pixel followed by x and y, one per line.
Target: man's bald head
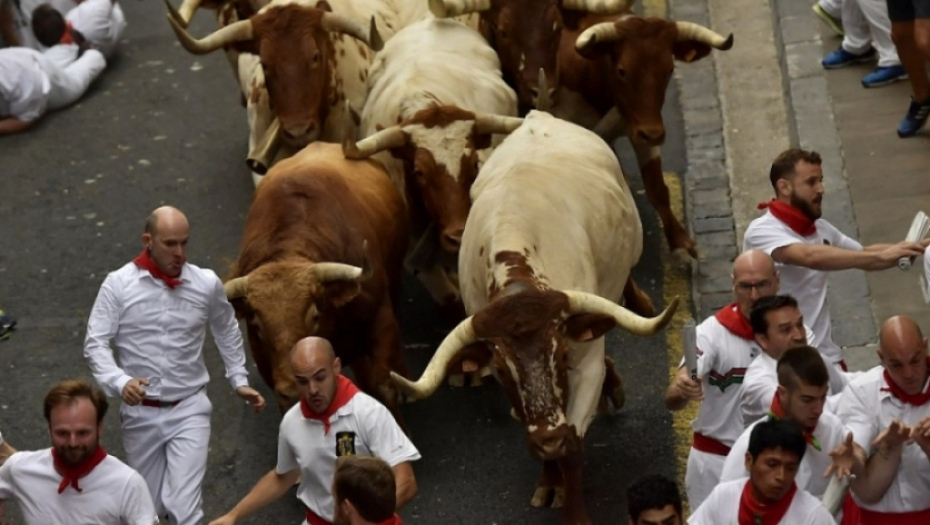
pixel 754 276
pixel 753 261
pixel 316 370
pixel 166 217
pixel 313 350
pixel 903 352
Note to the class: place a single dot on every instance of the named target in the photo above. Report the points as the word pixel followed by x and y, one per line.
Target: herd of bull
pixel 386 134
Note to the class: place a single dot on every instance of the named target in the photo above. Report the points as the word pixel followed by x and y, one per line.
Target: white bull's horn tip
pixel 728 43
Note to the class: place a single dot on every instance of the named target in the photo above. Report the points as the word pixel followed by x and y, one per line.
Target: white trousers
pixel 702 476
pixel 833 8
pixel 69 75
pixel 168 447
pixel 866 23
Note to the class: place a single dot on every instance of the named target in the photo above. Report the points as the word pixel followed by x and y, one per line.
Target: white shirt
pixel 24 86
pixel 362 424
pixel 808 286
pixel 22 17
pixel 866 411
pixel 112 494
pixel 760 384
pixel 722 507
pixel 159 333
pixel 829 432
pixel 100 21
pixel 722 360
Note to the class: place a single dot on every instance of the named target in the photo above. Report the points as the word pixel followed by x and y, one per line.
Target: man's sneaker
pixel 915 119
pixel 882 76
pixel 6 324
pixel 833 23
pixel 842 58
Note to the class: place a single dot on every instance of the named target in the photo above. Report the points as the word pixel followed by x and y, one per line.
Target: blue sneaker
pixel 842 58
pixel 915 119
pixel 882 76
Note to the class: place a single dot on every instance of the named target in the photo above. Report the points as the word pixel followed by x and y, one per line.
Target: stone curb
pixel 811 125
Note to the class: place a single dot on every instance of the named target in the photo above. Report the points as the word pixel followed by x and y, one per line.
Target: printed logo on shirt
pixel 723 381
pixel 345 444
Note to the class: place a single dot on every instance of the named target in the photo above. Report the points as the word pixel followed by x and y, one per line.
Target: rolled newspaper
pixel 689 346
pixel 835 494
pixel 919 228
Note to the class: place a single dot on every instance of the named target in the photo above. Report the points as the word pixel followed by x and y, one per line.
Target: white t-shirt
pixel 100 21
pixel 829 432
pixel 867 410
pixel 760 384
pixel 722 507
pixel 808 286
pixel 362 427
pixel 112 494
pixel 722 360
pixel 24 86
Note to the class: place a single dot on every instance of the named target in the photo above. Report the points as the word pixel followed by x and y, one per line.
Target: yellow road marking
pixel 676 283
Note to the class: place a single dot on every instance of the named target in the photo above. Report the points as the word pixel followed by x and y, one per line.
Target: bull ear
pixel 588 327
pixel 323 5
pixel 690 50
pixel 340 292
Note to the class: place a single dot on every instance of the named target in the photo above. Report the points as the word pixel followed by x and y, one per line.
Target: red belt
pixel 870 517
pixel 156 403
pixel 709 445
pixel 313 519
pixel 842 364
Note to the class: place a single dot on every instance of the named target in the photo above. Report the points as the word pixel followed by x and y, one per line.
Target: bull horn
pixel 392 137
pixel 235 32
pixel 186 11
pixel 543 99
pixel 602 32
pixel 699 33
pixel 330 271
pixel 260 158
pixel 450 8
pixel 486 123
pixel 588 303
pixel 601 7
pixel 338 23
pixel 237 288
pixel 460 337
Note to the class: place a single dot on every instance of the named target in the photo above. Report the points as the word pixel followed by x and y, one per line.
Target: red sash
pixel 751 510
pixel 870 517
pixel 915 399
pixel 731 319
pixel 313 519
pixel 146 263
pixel 791 217
pixel 72 473
pixel 709 445
pixel 345 391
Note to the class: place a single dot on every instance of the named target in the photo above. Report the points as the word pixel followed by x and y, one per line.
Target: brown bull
pixel 302 269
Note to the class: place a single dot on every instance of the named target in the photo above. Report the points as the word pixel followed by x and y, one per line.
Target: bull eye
pixel 316 58
pixel 502 33
pixel 621 71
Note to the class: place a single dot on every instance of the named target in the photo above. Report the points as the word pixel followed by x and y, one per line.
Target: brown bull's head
pixel 639 54
pixel 283 302
pixel 438 147
pixel 525 34
pixel 295 46
pixel 529 332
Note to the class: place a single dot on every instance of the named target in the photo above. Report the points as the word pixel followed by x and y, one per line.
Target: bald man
pixel 725 348
pixel 156 310
pixel 888 414
pixel 333 419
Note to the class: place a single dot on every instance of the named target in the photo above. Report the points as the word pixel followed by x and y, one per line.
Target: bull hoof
pixel 548 496
pixel 513 414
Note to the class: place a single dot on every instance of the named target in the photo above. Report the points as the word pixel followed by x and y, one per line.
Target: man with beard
pixel 155 310
pixel 332 419
pixel 801 395
pixel 806 246
pixel 364 492
pixel 770 495
pixel 76 481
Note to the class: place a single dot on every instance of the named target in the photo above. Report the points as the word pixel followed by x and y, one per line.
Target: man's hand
pixel 921 435
pixel 224 520
pixel 891 254
pixel 253 398
pixel 689 389
pixel 893 437
pixel 133 391
pixel 845 459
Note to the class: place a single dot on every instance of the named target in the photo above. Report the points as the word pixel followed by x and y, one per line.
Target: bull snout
pixel 649 135
pixel 550 443
pixel 287 395
pixel 451 239
pixel 534 96
pixel 300 134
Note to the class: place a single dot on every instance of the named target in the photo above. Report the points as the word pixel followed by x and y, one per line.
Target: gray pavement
pixel 165 127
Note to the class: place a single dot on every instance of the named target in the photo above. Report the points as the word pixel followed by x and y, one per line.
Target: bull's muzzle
pixel 551 443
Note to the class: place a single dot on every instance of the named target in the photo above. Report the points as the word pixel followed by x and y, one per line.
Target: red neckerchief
pixel 734 321
pixel 791 216
pixel 752 511
pixel 393 520
pixel 72 473
pixel 146 263
pixel 345 391
pixel 777 412
pixel 910 399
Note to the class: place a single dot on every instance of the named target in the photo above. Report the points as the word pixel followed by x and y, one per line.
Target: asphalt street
pixel 166 127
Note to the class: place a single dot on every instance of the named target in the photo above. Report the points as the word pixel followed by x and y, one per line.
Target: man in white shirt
pixel 807 247
pixel 6 450
pixel 654 500
pixel 725 348
pixel 802 392
pixel 364 492
pixel 156 310
pixel 887 411
pixel 16 21
pixel 778 325
pixel 769 495
pixel 75 482
pixel 32 83
pixel 99 22
pixel 332 419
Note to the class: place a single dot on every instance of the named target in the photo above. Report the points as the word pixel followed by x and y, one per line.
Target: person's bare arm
pixel 6 450
pixel 828 258
pixel 682 390
pixel 271 487
pixel 882 467
pixel 10 125
pixel 405 482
